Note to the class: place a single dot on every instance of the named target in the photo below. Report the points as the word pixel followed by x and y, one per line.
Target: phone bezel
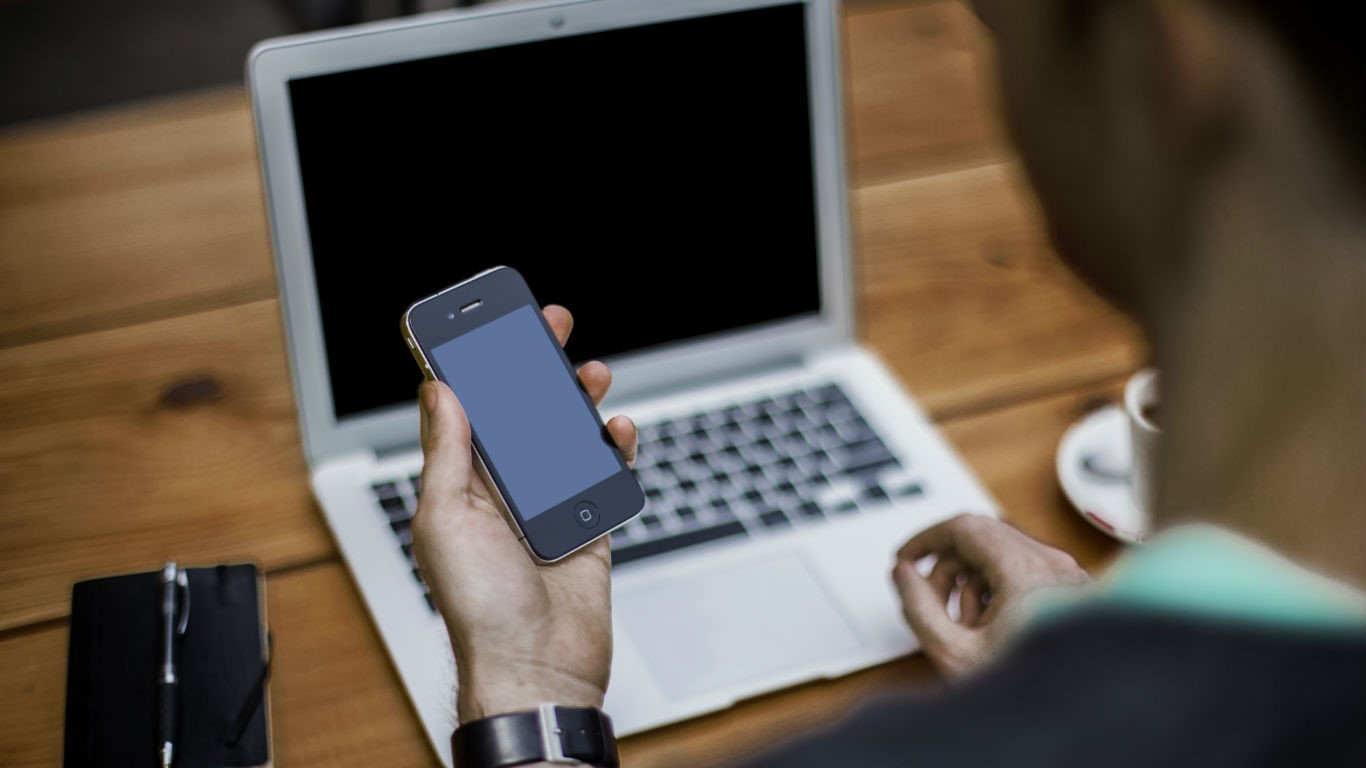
pixel 555 533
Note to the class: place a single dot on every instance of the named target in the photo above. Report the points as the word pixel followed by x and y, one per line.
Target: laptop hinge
pixel 686 383
pixel 389 451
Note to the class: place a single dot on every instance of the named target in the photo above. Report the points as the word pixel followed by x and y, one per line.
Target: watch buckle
pixel 552 737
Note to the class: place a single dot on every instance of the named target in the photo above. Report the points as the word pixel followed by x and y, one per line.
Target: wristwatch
pixel 547 734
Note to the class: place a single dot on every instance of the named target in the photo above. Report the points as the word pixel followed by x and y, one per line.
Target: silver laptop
pixel 673 172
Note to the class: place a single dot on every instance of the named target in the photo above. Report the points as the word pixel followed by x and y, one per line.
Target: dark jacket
pixel 1108 688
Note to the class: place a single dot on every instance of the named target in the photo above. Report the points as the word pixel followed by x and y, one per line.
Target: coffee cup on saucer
pixel 1141 408
pixel 1106 461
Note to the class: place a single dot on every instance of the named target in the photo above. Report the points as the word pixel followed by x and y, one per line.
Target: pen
pixel 173 579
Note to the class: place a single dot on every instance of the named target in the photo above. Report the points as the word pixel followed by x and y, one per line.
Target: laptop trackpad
pixel 743 623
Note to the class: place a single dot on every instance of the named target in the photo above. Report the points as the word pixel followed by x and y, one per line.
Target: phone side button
pixel 586 514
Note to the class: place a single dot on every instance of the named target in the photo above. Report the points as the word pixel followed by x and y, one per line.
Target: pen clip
pixel 182 582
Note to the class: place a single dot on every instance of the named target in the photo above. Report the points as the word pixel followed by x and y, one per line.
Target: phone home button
pixel 586 514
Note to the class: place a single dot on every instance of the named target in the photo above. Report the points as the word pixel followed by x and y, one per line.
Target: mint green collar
pixel 1212 572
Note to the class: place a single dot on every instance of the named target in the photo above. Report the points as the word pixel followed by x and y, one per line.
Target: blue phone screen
pixel 527 411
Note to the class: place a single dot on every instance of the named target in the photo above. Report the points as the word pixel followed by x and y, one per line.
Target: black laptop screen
pixel 656 180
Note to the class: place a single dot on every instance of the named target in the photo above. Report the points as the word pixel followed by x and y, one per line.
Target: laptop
pixel 672 171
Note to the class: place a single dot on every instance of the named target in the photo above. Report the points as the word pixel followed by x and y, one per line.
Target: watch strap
pixel 553 734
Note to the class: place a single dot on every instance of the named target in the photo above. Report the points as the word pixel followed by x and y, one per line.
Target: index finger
pixel 445 433
pixel 560 321
pixel 965 537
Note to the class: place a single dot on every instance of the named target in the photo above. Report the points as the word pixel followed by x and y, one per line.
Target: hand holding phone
pixel 537 434
pixel 522 633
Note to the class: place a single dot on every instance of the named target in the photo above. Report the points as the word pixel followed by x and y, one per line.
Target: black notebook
pixel 114 662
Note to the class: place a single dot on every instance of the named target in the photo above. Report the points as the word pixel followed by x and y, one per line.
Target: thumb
pixel 445 440
pixel 943 639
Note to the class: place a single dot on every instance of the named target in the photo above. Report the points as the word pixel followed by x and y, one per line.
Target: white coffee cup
pixel 1140 400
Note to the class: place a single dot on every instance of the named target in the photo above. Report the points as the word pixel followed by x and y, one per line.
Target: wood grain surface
pixel 146 411
pixel 130 215
pixel 963 297
pixel 919 96
pixel 125 448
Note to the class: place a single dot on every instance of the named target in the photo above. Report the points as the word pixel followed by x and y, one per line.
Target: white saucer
pixel 1093 468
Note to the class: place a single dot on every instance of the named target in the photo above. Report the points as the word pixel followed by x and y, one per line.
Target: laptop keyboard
pixel 397 498
pixel 745 469
pixel 755 467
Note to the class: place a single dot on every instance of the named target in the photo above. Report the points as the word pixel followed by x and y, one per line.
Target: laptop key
pixel 719 516
pixel 830 393
pixel 385 490
pixel 395 508
pixel 867 456
pixel 856 430
pixel 871 466
pixel 911 489
pixel 874 492
pixel 811 510
pixel 623 555
pixel 774 518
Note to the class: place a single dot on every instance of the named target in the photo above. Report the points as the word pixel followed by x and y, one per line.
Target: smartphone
pixel 537 434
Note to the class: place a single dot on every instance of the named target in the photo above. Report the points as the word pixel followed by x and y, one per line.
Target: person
pixel 1201 163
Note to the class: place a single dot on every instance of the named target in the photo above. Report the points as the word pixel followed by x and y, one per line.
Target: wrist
pixel 485 690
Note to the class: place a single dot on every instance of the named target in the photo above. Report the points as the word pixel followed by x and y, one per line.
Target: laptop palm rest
pixel 730 626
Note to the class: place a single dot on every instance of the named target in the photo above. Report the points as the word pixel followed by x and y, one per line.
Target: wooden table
pixel 146 412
